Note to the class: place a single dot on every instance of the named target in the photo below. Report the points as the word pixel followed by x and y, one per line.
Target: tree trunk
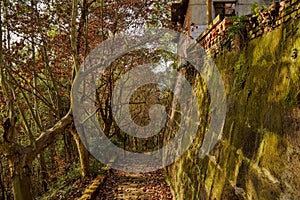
pixel 21 180
pixel 54 165
pixel 43 172
pixel 20 158
pixel 22 187
pixel 83 154
pixel 2 187
pixel 68 151
pixel 209 11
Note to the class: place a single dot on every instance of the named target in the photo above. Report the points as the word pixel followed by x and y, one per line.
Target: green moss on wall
pixel 252 159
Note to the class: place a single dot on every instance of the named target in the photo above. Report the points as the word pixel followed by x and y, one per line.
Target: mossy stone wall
pixel 258 155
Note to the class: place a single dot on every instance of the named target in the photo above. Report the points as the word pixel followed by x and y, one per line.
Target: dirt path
pixel 122 185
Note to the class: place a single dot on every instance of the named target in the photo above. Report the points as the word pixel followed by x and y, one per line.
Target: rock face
pixel 258 156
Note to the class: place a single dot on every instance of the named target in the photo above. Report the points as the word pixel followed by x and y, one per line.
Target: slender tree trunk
pixel 68 147
pixel 83 154
pixel 53 158
pixel 43 172
pixel 209 11
pixel 2 187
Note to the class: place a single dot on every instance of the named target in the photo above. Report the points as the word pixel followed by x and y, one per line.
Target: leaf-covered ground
pixel 122 185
